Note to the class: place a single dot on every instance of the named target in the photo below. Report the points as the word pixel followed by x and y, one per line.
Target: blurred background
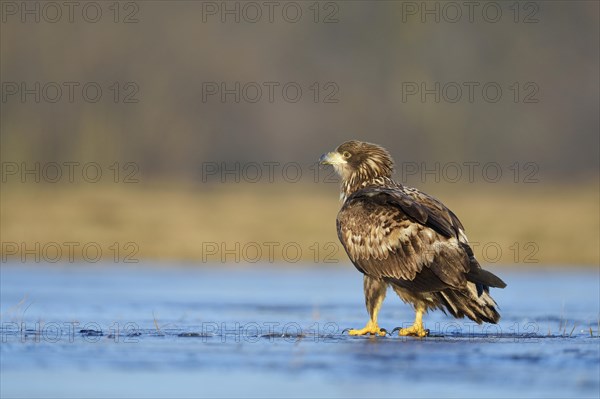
pixel 189 131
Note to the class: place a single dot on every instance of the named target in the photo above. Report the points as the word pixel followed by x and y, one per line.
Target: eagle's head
pixel 359 163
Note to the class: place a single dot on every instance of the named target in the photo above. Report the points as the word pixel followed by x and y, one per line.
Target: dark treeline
pixel 170 85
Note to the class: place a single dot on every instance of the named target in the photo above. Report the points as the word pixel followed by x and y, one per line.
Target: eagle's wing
pixel 432 212
pixel 396 233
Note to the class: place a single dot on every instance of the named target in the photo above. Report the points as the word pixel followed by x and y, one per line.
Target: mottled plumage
pixel 399 236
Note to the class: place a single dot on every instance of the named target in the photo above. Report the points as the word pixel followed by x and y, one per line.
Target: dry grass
pixel 550 224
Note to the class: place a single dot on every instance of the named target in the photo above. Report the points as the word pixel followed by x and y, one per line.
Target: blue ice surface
pixel 180 331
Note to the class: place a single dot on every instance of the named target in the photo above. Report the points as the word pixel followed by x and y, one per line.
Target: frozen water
pixel 180 331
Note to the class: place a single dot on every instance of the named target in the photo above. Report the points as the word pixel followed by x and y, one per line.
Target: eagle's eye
pixel 346 154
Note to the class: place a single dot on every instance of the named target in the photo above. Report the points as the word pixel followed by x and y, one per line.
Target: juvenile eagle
pixel 399 236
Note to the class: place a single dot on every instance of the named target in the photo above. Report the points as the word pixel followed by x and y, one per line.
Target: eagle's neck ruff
pixel 352 185
pixel 370 165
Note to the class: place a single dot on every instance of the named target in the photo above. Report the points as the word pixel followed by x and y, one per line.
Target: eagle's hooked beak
pixel 332 158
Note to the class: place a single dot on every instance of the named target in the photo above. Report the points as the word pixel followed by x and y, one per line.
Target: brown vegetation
pixel 177 221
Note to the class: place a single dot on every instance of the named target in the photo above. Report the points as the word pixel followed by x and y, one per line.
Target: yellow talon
pixel 414 331
pixel 370 328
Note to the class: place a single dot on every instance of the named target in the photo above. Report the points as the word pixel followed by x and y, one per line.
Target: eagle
pixel 401 237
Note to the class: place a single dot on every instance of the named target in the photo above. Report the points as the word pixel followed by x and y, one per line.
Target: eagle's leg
pixel 374 295
pixel 417 329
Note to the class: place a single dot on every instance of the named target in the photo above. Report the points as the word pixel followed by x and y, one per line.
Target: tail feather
pixel 483 277
pixel 477 306
pixel 478 275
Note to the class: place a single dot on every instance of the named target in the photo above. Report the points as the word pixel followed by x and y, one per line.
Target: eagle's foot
pixel 370 328
pixel 413 331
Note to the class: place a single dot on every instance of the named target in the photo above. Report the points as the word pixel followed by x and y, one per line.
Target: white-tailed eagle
pixel 401 237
